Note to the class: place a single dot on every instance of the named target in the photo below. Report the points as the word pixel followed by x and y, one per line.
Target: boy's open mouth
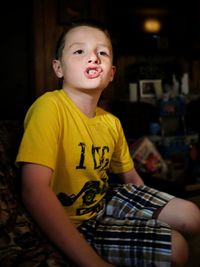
pixel 93 72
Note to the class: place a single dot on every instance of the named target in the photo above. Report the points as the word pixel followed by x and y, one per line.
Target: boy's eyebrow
pixel 76 43
pixel 82 43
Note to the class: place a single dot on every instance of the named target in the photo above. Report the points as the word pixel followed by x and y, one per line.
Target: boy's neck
pixel 86 101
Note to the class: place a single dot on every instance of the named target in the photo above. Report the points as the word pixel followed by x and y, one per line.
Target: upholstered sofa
pixel 21 242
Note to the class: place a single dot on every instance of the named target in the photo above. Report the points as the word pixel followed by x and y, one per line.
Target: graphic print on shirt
pixel 98 155
pixel 90 189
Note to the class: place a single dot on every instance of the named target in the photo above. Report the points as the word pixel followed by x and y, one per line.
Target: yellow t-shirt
pixel 79 150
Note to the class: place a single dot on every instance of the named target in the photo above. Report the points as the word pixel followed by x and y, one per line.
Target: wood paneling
pixel 46 32
pixel 47 29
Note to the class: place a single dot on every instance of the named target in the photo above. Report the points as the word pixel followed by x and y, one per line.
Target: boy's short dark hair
pixel 80 22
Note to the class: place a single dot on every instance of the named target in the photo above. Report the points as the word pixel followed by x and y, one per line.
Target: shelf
pixel 193 187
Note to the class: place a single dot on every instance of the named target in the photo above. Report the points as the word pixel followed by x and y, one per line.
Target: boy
pixel 68 148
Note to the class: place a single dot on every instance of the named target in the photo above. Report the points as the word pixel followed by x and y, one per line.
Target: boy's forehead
pixel 83 28
pixel 79 33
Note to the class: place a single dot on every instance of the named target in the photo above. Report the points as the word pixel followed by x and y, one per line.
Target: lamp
pixel 152 25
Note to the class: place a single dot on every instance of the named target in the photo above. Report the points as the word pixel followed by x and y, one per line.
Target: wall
pixel 29 34
pixel 15 68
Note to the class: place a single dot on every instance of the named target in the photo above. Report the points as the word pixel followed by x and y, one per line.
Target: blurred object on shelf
pixel 146 156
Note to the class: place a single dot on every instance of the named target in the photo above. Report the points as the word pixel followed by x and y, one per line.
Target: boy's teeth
pixel 92 71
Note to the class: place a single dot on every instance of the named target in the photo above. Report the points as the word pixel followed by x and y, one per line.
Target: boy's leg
pixel 182 215
pixel 179 254
pixel 127 234
pixel 130 243
pixel 161 203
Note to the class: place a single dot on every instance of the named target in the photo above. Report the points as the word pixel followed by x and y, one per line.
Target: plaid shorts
pixel 125 233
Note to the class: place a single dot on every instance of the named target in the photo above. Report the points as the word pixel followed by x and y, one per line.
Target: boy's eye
pixel 79 51
pixel 103 53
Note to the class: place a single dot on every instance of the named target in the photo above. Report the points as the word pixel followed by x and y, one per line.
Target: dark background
pixel 179 38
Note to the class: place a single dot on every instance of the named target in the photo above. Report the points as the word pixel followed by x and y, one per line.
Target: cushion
pixel 22 244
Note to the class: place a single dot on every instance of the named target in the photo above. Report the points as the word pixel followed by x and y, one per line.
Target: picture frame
pixel 150 88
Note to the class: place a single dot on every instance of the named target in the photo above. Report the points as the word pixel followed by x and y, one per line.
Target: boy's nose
pixel 93 58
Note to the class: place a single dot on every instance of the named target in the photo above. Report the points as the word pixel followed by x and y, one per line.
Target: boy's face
pixel 86 61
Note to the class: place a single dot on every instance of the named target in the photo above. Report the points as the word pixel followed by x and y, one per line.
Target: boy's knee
pixel 191 224
pixel 179 250
pixel 181 215
pixel 195 219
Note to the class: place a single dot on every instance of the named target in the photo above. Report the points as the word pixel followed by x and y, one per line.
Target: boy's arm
pixel 47 211
pixel 131 177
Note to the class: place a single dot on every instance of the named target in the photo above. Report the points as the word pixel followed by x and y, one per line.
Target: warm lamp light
pixel 152 25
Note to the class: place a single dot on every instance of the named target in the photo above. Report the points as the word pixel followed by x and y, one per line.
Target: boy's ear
pixel 57 68
pixel 112 73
